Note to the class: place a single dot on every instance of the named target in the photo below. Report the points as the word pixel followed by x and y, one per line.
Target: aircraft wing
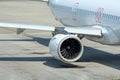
pixel 81 30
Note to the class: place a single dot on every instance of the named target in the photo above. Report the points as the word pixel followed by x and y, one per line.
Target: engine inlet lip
pixel 79 54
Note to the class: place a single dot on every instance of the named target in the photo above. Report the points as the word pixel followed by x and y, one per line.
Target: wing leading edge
pixel 89 31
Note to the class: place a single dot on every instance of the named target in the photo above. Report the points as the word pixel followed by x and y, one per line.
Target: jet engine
pixel 67 48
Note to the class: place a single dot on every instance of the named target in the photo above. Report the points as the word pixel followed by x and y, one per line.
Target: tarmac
pixel 27 56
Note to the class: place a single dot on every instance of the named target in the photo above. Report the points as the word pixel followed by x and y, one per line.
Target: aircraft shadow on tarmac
pixel 90 55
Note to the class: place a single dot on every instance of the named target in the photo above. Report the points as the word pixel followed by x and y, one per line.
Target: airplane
pixel 95 20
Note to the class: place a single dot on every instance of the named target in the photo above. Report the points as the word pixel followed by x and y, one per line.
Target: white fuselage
pixel 104 14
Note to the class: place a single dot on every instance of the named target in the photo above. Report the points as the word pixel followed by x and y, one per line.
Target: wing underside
pixel 89 31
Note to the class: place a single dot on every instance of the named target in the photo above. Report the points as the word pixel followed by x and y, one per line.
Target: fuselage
pixel 103 14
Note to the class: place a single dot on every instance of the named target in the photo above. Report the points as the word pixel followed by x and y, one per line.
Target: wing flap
pixel 84 31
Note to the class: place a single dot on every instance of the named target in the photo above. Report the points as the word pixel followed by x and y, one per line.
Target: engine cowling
pixel 67 48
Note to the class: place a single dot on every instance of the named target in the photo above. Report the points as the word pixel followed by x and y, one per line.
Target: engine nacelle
pixel 67 48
